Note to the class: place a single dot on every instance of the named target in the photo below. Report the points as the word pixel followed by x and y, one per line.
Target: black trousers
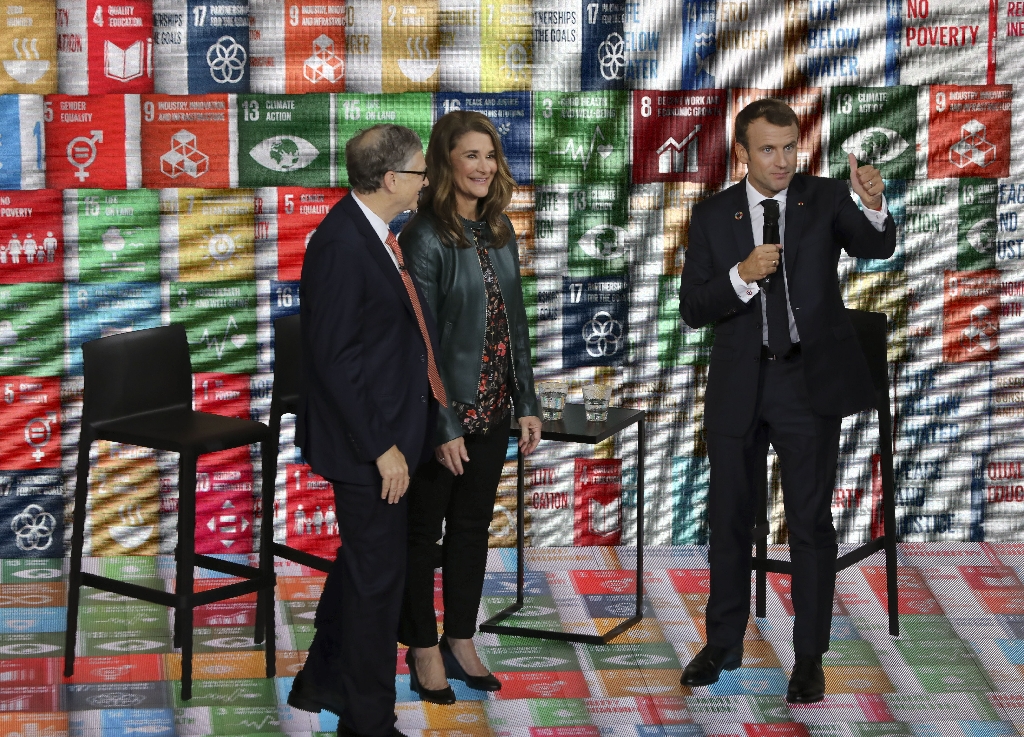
pixel 353 650
pixel 466 506
pixel 808 448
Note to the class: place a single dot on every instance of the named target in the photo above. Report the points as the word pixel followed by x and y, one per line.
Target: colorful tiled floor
pixel 956 671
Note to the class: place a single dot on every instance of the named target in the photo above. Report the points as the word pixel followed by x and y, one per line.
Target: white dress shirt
pixel 379 227
pixel 747 291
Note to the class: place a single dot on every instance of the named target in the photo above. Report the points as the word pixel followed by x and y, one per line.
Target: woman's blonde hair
pixel 438 197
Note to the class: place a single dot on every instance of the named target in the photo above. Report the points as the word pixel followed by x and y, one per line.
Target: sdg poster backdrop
pixel 168 160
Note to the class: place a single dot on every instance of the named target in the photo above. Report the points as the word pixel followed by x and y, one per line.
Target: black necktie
pixel 779 341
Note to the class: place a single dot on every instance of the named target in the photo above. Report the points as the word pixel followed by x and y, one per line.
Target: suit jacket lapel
pixel 743 233
pixel 795 213
pixel 377 251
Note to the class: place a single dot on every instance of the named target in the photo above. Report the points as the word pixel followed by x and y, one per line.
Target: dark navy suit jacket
pixel 364 360
pixel 821 220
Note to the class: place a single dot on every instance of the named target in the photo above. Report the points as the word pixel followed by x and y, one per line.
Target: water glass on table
pixel 552 399
pixel 595 401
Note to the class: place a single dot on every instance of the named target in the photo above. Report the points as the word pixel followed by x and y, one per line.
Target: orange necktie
pixel 436 386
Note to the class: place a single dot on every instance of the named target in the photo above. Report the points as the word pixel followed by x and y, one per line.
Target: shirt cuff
pixel 877 217
pixel 743 290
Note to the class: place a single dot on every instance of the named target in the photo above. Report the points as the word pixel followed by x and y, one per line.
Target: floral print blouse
pixel 492 399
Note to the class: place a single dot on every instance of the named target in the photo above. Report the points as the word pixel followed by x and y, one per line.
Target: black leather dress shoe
pixel 708 664
pixel 453 669
pixel 443 696
pixel 807 683
pixel 309 698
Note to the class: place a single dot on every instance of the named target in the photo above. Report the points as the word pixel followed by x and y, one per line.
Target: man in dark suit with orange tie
pixel 367 420
pixel 785 369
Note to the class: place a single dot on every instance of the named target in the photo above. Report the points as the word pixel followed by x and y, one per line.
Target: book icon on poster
pixel 127 64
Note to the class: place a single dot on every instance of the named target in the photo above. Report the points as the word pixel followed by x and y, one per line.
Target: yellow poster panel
pixel 680 197
pixel 216 235
pixel 28 47
pixel 506 46
pixel 520 213
pixel 124 489
pixel 409 39
pixel 883 291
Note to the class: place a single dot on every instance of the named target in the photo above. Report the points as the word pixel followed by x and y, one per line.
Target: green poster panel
pixel 357 111
pixel 284 140
pixel 118 235
pixel 878 125
pixel 581 138
pixel 976 225
pixel 678 343
pixel 220 319
pixel 598 239
pixel 32 330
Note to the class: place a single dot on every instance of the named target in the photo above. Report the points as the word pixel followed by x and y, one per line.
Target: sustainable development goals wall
pixel 166 161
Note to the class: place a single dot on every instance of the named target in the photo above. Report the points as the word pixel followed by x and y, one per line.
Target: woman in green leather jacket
pixel 461 249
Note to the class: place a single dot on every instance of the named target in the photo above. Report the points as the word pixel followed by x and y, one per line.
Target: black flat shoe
pixel 453 669
pixel 443 696
pixel 708 664
pixel 308 698
pixel 807 684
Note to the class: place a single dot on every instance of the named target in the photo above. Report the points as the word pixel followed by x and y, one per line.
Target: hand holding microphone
pixel 763 261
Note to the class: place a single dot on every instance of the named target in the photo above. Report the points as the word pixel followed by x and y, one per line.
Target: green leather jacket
pixel 453 285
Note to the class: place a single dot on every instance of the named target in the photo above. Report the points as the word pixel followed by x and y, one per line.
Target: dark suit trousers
pixel 466 506
pixel 353 653
pixel 808 448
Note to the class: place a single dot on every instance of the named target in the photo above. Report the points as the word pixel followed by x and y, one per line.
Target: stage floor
pixel 957 669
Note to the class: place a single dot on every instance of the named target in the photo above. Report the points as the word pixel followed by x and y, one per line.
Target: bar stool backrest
pixel 871 331
pixel 137 372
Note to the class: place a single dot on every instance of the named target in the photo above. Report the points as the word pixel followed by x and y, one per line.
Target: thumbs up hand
pixel 867 183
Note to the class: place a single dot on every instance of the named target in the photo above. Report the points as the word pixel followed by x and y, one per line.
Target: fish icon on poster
pixel 27 67
pixel 284 153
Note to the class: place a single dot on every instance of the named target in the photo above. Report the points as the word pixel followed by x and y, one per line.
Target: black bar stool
pixel 871 328
pixel 285 400
pixel 138 390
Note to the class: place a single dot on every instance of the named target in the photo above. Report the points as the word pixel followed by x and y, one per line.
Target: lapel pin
pixel 800 203
pixel 739 216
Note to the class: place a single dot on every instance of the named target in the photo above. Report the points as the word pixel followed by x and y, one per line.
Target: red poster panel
pixel 29 423
pixel 970 316
pixel 311 521
pixel 604 582
pixel 31 236
pixel 186 142
pixel 299 212
pixel 224 507
pixel 597 501
pixel 314 49
pixel 85 141
pixel 679 136
pixel 120 46
pixel 227 395
pixel 969 131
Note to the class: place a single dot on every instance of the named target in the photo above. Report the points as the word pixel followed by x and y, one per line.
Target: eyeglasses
pixel 407 171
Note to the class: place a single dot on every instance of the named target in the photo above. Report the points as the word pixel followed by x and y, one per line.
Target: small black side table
pixel 573 427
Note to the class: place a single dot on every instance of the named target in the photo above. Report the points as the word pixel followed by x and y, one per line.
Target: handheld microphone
pixel 770 234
